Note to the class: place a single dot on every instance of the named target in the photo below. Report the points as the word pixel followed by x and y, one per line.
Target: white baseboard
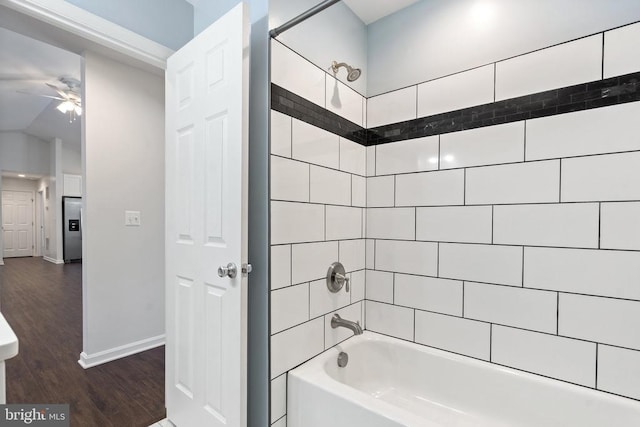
pixel 1 261
pixel 91 360
pixel 52 260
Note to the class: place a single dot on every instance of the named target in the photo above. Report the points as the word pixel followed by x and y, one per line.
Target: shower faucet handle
pixel 337 277
pixel 344 279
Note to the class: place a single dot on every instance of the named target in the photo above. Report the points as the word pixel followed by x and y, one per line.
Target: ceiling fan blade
pixel 43 96
pixel 60 92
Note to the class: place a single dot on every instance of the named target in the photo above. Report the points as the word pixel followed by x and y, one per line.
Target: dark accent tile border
pixel 293 105
pixel 600 93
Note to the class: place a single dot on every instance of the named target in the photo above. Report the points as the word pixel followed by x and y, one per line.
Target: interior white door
pixel 207 84
pixel 17 223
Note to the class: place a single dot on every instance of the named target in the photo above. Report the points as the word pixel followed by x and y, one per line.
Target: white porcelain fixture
pixel 389 382
pixel 8 349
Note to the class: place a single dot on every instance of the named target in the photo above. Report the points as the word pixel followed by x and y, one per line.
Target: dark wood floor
pixel 43 304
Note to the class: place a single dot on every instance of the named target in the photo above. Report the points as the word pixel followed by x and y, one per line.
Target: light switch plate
pixel 132 218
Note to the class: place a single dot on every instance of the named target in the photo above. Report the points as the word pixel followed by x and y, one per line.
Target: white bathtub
pixel 389 382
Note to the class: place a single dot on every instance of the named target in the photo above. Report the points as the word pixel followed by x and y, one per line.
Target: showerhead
pixel 352 73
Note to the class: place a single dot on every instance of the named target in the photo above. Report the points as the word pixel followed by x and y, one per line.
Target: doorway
pixel 17 223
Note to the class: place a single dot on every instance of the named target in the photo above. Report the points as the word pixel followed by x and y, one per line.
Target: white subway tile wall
pixel 484 146
pixel 466 89
pixel 531 263
pixel 389 319
pixel 619 226
pixel 619 370
pixel 583 271
pixel 466 224
pixel 617 45
pixel 515 306
pixel 391 223
pixel 601 178
pixel 314 145
pixel 280 134
pixel 278 397
pixel 584 132
pixel 535 182
pixel 379 286
pixel 481 263
pixel 413 155
pixel 567 64
pixel 318 199
pixel 556 357
pixel 573 225
pixel 343 101
pixel 392 107
pixel 454 334
pixel 516 244
pixel 353 157
pixel 294 73
pixel 430 188
pixel 380 191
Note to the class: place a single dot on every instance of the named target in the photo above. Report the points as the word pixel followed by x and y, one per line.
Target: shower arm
pixel 335 67
pixel 302 17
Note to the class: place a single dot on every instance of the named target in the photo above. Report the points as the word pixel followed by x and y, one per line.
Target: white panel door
pixel 17 223
pixel 206 225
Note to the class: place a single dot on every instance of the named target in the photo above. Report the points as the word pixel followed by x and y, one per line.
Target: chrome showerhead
pixel 352 73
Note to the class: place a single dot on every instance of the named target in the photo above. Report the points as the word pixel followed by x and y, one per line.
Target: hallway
pixel 43 304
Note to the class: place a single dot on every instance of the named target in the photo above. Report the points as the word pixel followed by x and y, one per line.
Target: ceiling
pixel 367 10
pixel 26 65
pixel 370 11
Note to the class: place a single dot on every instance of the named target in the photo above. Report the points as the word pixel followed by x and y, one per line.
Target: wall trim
pixel 91 360
pixel 53 260
pixel 92 28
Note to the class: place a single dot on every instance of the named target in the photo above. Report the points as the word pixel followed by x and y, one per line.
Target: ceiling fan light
pixel 78 110
pixel 65 107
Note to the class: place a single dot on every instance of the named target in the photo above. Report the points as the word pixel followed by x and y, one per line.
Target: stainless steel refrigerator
pixel 72 228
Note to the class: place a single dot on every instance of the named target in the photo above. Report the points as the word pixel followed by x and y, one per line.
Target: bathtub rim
pixel 313 371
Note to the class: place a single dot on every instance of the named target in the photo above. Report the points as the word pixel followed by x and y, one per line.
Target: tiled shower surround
pixel 514 243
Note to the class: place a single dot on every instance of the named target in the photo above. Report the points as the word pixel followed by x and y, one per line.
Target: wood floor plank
pixel 43 304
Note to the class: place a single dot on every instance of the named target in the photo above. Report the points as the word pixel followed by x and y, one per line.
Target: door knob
pixel 230 271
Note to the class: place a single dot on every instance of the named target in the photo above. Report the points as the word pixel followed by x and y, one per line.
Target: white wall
pixel 336 34
pixel 24 153
pixel 149 18
pixel 433 38
pixel 50 217
pixel 71 161
pixel 123 150
pixel 17 184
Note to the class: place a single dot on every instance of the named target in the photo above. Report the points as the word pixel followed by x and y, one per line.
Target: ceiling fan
pixel 70 96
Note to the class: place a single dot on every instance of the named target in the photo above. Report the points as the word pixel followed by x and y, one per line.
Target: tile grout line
pixel 495 78
pixel 463 287
pixel 524 154
pixel 464 187
pixel 491 342
pixel 596 374
pixel 602 53
pixel 557 313
pixel 599 224
pixel 492 223
pixel 560 183
pixel 522 284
